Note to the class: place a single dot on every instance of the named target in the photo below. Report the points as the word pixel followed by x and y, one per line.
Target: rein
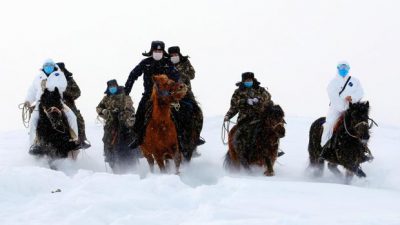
pixel 225 131
pixel 26 114
pixel 358 124
pixel 58 111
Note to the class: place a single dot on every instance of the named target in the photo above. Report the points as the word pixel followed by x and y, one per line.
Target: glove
pixel 250 101
pixel 104 112
pixel 255 100
pixel 27 104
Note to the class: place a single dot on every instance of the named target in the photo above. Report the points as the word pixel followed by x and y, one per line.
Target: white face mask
pixel 175 59
pixel 157 56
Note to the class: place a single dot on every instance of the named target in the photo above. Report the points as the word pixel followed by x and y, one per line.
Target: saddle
pixel 338 123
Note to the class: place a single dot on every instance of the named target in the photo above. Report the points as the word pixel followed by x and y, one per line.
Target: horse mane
pixel 51 98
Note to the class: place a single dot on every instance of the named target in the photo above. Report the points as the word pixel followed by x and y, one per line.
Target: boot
pixel 325 149
pixel 359 172
pixel 137 140
pixel 85 144
pixel 200 141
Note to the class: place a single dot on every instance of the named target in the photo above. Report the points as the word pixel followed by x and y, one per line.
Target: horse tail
pixel 314 143
pixel 228 162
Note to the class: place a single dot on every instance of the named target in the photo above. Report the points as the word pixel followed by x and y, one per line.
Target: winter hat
pixel 49 62
pixel 247 75
pixel 176 50
pixel 110 83
pixel 156 45
pixel 343 63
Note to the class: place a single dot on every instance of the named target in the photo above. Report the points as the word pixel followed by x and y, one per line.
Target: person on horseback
pixel 50 77
pixel 116 108
pixel 156 63
pixel 342 90
pixel 187 73
pixel 71 94
pixel 249 99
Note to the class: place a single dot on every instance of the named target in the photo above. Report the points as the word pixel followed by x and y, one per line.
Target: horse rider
pixel 342 90
pixel 72 93
pixel 116 108
pixel 249 99
pixel 155 63
pixel 187 73
pixel 50 77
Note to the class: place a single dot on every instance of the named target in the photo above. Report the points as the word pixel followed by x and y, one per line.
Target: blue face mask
pixel 343 72
pixel 113 90
pixel 248 84
pixel 48 69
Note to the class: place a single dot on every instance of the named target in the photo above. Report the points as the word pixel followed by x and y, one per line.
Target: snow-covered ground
pixel 204 193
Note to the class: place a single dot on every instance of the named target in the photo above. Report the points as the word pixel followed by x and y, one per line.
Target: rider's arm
pixel 235 104
pixel 358 92
pixel 73 91
pixel 133 76
pixel 333 92
pixel 32 91
pixel 190 72
pixel 101 107
pixel 265 97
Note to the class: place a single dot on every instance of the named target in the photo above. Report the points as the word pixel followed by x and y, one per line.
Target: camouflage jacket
pixel 119 110
pixel 72 92
pixel 240 105
pixel 186 71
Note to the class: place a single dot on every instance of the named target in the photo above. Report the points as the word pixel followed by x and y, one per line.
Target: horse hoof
pixel 269 174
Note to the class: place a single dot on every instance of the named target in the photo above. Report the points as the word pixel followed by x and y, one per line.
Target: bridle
pixel 359 124
pixel 48 112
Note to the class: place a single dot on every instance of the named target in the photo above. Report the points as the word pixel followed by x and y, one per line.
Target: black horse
pixel 53 132
pixel 348 146
pixel 262 134
pixel 189 121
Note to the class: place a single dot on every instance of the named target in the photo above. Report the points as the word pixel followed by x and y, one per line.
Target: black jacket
pixel 150 67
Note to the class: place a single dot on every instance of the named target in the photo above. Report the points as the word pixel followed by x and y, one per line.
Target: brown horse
pixel 267 130
pixel 161 140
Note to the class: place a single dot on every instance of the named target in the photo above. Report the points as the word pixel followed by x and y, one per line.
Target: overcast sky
pixel 291 46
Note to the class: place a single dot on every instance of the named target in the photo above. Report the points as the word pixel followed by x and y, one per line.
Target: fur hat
pixel 110 83
pixel 247 75
pixel 156 45
pixel 176 50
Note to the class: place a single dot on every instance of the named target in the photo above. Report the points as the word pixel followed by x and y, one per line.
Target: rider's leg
pixel 139 126
pixel 33 125
pixel 331 120
pixel 72 121
pixel 81 126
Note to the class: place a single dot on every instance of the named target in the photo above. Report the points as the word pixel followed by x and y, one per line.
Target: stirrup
pixel 200 141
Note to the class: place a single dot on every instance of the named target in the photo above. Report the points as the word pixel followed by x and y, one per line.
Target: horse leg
pixel 177 159
pixel 349 177
pixel 150 160
pixel 73 154
pixel 334 169
pixel 270 170
pixel 160 163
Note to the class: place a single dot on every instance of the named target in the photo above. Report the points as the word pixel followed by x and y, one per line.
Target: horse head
pixel 356 120
pixel 52 106
pixel 274 116
pixel 168 90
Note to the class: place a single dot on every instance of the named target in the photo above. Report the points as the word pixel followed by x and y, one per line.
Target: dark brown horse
pixel 349 144
pixel 161 140
pixel 262 150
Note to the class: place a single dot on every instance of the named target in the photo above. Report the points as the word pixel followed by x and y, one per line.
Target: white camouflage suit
pixel 35 91
pixel 338 103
